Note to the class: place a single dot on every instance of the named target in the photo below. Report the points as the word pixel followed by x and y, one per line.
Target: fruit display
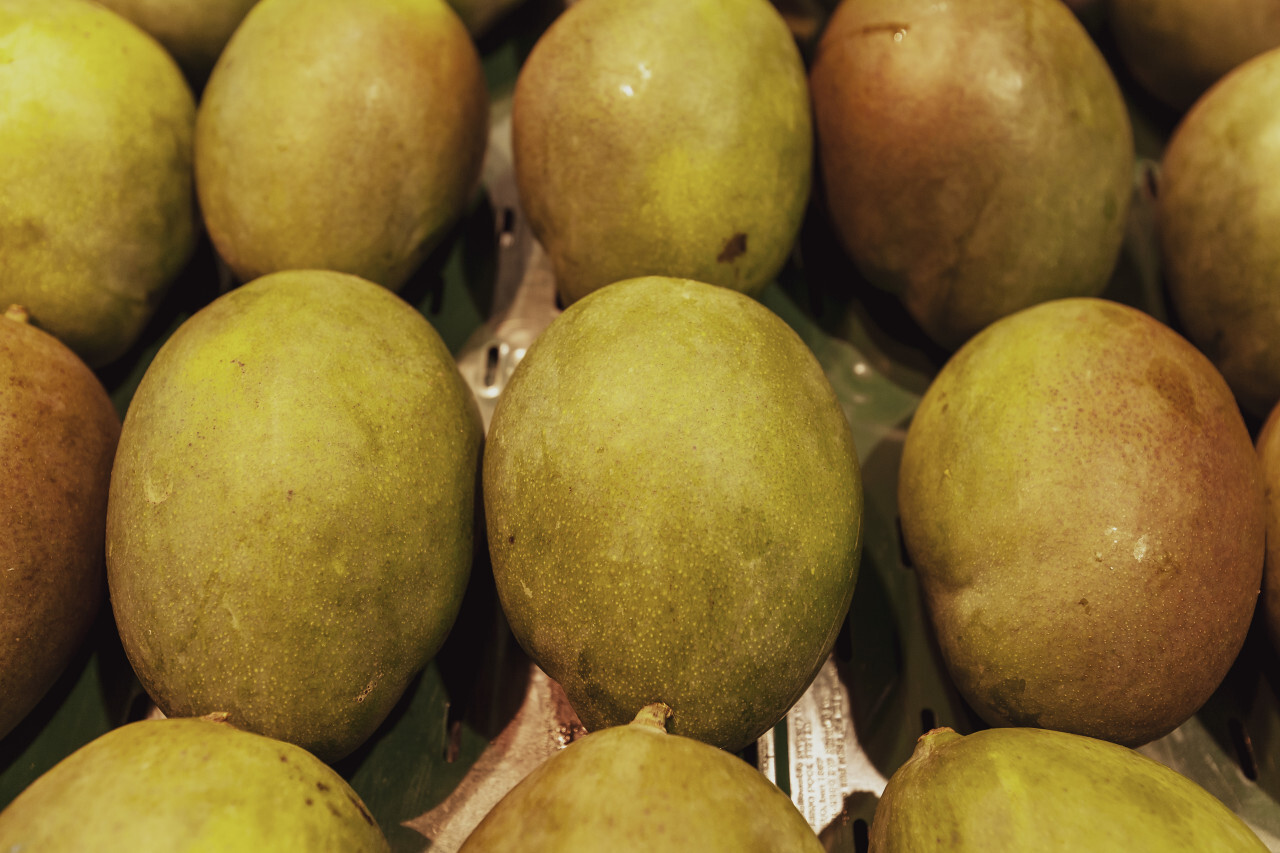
pixel 711 556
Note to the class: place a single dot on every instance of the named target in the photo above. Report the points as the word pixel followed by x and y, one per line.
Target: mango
pixel 191 785
pixel 1037 791
pixel 1085 512
pixel 1218 207
pixel 341 135
pixel 193 31
pixel 671 137
pixel 289 528
pixel 635 787
pixel 58 434
pixel 976 158
pixel 674 508
pixel 97 212
pixel 1177 49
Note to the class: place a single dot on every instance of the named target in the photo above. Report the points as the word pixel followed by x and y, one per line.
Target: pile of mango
pixel 276 493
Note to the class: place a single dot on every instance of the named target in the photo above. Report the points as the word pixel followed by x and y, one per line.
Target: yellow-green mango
pixel 976 156
pixel 1084 509
pixel 192 785
pixel 1218 214
pixel 1041 791
pixel 671 137
pixel 97 213
pixel 193 31
pixel 634 788
pixel 674 508
pixel 58 433
pixel 289 529
pixel 340 134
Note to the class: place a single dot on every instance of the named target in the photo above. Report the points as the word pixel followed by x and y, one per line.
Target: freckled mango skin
pixel 1084 508
pixel 1022 199
pixel 671 137
pixel 193 785
pixel 635 787
pixel 1039 791
pixel 289 528
pixel 674 508
pixel 58 433
pixel 97 208
pixel 340 134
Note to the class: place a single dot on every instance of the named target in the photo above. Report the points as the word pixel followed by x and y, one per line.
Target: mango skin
pixel 1023 199
pixel 674 508
pixel 635 787
pixel 97 209
pixel 1218 211
pixel 1177 49
pixel 671 137
pixel 340 134
pixel 1085 512
pixel 194 785
pixel 58 434
pixel 1036 790
pixel 193 31
pixel 289 530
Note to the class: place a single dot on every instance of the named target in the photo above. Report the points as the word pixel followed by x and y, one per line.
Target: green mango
pixel 635 787
pixel 1177 49
pixel 670 137
pixel 1218 212
pixel 674 508
pixel 196 785
pixel 1084 509
pixel 289 529
pixel 1039 791
pixel 340 134
pixel 193 31
pixel 58 433
pixel 97 213
pixel 976 157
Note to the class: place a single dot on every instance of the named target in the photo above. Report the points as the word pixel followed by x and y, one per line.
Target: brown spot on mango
pixel 734 247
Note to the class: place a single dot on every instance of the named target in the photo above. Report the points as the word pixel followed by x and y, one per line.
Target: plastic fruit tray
pixel 886 684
